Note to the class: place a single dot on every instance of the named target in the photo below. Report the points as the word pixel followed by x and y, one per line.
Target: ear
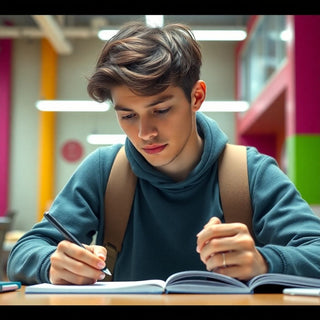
pixel 198 94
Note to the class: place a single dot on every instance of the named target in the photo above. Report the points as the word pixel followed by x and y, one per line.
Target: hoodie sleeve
pixel 79 207
pixel 287 232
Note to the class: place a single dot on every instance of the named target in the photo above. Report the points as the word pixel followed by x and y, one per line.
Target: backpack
pixel 233 185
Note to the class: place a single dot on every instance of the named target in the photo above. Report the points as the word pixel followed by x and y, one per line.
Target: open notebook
pixel 186 282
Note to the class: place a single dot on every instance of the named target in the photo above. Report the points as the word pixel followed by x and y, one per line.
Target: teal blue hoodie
pixel 166 216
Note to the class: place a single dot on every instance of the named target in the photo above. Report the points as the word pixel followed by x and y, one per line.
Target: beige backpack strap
pixel 118 201
pixel 234 185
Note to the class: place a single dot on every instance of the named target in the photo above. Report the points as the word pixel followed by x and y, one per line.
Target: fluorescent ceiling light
pixel 200 35
pixel 286 35
pixel 109 139
pixel 93 106
pixel 106 34
pixel 154 20
pixel 219 35
pixel 224 106
pixel 72 105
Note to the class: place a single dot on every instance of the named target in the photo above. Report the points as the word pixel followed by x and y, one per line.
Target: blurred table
pixel 19 297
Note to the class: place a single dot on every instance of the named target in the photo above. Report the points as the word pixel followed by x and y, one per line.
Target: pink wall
pixel 5 89
pixel 307 73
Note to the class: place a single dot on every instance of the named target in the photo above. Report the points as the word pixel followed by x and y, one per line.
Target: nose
pixel 147 129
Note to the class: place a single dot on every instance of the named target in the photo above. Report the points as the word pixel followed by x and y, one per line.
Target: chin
pixel 159 162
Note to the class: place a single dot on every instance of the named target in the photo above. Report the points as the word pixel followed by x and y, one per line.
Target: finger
pixel 222 230
pixel 81 269
pixel 85 256
pixel 65 268
pixel 222 260
pixel 241 241
pixel 214 231
pixel 201 236
pixel 216 247
pixel 234 264
pixel 100 251
pixel 59 272
pixel 66 276
pixel 213 220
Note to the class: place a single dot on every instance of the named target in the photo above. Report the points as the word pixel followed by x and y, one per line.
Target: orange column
pixel 47 129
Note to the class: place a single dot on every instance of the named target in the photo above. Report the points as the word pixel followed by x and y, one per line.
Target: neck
pixel 187 160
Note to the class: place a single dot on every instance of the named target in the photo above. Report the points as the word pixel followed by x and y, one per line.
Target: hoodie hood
pixel 214 142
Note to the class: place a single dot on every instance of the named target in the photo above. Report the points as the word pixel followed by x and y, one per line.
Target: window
pixel 263 55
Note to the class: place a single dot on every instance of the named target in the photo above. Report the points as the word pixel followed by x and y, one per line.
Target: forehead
pixel 123 96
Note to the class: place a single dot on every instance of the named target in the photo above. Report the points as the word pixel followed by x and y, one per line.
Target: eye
pixel 128 116
pixel 162 111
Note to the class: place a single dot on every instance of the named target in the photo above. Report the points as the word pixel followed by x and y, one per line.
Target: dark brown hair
pixel 147 60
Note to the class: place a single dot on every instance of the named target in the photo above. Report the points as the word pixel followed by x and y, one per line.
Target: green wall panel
pixel 303 165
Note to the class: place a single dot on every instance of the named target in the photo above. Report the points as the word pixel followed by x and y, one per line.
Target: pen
pixel 68 235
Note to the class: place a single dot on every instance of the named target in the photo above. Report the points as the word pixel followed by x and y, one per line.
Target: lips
pixel 154 148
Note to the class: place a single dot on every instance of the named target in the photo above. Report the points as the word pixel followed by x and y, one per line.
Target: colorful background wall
pixel 284 118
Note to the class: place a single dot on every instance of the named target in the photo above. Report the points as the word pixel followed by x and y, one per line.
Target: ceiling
pixel 116 20
pixel 60 28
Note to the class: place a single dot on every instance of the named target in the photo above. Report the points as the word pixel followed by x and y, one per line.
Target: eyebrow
pixel 153 103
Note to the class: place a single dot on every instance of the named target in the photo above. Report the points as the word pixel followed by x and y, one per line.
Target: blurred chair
pixel 5 225
pixel 11 215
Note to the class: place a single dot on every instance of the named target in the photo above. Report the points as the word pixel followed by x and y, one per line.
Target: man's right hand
pixel 71 264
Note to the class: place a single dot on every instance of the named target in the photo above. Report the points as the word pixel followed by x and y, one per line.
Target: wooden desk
pixel 20 298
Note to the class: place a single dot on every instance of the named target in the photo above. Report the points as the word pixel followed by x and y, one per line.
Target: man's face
pixel 159 126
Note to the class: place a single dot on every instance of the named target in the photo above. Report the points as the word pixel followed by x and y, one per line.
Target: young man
pixel 152 77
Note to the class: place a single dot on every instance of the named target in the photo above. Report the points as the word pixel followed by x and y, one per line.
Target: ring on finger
pixel 224 260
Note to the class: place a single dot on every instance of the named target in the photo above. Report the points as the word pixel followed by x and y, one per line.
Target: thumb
pixel 202 238
pixel 213 220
